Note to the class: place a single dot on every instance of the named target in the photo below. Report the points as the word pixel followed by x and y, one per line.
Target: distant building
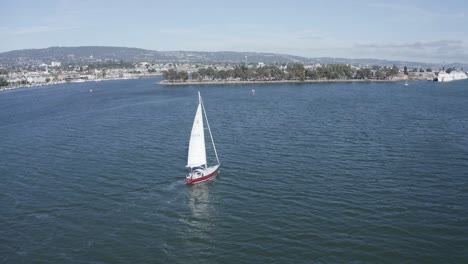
pixel 55 64
pixel 68 76
pixel 88 76
pixel 399 76
pixel 421 75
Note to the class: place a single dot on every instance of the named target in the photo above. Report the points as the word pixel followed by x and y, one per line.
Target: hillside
pixel 87 54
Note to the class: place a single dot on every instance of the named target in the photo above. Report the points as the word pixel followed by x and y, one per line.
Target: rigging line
pixel 208 124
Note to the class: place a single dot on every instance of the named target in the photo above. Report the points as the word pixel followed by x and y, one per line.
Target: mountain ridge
pixel 87 54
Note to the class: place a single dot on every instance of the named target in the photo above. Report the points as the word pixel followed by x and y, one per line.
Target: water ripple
pixel 310 173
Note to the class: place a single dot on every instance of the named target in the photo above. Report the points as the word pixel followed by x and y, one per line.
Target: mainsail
pixel 197 152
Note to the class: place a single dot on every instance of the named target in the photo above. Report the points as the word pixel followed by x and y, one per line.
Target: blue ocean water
pixel 320 172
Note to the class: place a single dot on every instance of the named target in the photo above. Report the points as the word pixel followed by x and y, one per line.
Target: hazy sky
pixel 429 31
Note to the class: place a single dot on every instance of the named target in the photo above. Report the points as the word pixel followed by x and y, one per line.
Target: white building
pixel 55 64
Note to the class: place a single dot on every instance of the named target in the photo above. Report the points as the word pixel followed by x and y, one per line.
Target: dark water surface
pixel 327 173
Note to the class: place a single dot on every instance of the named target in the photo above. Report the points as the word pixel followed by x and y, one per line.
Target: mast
pixel 208 125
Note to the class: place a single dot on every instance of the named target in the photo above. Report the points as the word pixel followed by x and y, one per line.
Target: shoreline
pixel 9 88
pixel 168 83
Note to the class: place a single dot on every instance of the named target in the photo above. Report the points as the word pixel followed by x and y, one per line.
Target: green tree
pixel 195 75
pixel 262 73
pixel 405 70
pixel 380 74
pixel 251 73
pixel 3 82
pixel 296 71
pixel 170 74
pixel 182 76
pixel 364 73
pixel 241 72
pixel 173 75
pixel 276 73
pixel 311 74
pixel 210 72
pixel 394 70
pixel 220 74
pixel 202 72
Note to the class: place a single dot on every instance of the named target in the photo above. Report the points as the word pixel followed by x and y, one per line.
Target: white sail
pixel 197 152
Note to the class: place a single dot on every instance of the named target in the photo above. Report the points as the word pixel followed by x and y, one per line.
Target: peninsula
pixel 227 82
pixel 292 73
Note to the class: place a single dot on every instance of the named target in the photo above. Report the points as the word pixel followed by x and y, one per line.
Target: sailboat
pixel 406 83
pixel 198 169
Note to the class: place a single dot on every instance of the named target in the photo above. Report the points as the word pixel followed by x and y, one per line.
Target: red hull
pixel 204 178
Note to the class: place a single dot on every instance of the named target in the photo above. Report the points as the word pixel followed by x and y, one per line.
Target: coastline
pixel 9 88
pixel 165 82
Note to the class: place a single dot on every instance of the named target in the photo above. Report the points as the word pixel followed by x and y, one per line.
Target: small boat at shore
pixel 199 171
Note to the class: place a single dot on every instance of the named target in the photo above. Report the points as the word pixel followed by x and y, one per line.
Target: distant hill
pixel 98 53
pixel 87 54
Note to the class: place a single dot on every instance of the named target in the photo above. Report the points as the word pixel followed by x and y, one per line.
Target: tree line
pixel 295 71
